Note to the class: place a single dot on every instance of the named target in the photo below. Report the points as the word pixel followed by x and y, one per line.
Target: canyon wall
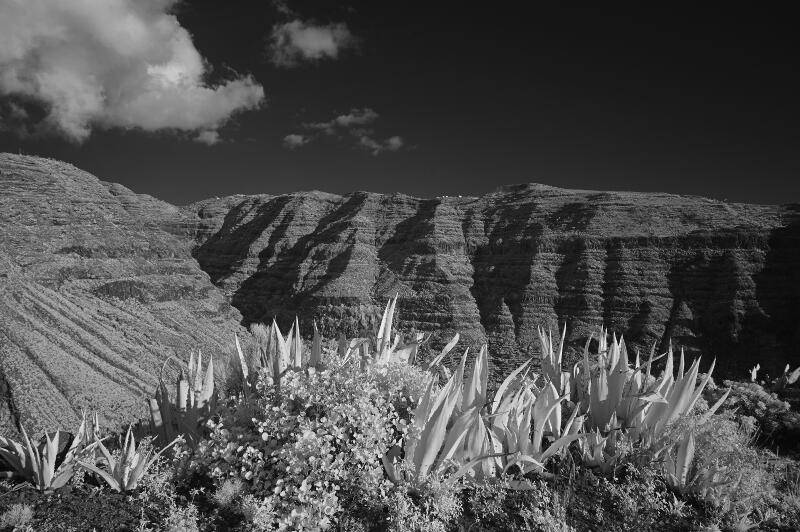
pixel 99 285
pixel 715 278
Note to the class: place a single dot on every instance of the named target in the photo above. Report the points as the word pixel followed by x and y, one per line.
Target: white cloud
pixel 296 41
pixel 377 147
pixel 356 117
pixel 282 7
pixel 113 63
pixel 294 140
pixel 352 125
pixel 208 136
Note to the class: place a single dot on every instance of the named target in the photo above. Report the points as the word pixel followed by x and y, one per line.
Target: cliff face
pixel 718 279
pixel 97 288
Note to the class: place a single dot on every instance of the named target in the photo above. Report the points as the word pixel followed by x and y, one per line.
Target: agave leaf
pixel 382 328
pixel 295 345
pixel 197 385
pixel 618 375
pixel 544 406
pixel 558 445
pixel 707 415
pixel 208 385
pixel 49 459
pixel 316 349
pixel 108 478
pixel 34 457
pixel 447 348
pixel 282 350
pixel 525 462
pixel 387 336
pixel 434 433
pixel 466 468
pixel 475 392
pixel 458 433
pixel 499 394
pixel 421 415
pixel 684 458
pixel 242 360
pixel 699 390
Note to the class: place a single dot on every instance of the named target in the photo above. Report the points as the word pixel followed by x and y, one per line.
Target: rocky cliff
pixel 717 278
pixel 97 288
pixel 99 285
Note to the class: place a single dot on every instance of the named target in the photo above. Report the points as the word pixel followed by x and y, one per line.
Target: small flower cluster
pixel 313 446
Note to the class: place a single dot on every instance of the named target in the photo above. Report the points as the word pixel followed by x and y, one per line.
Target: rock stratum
pixel 98 288
pixel 716 278
pixel 98 285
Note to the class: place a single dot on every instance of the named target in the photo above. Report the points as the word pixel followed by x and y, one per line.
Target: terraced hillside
pixel 97 288
pixel 717 278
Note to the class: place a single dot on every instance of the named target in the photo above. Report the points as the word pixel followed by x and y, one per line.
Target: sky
pixel 195 99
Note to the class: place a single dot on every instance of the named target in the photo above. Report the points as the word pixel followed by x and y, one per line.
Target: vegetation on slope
pixel 358 435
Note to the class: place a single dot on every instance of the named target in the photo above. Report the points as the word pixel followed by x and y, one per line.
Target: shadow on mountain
pixel 223 253
pixel 778 292
pixel 413 237
pixel 277 288
pixel 503 270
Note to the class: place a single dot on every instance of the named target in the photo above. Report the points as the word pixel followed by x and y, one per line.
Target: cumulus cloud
pixel 296 41
pixel 355 125
pixel 113 63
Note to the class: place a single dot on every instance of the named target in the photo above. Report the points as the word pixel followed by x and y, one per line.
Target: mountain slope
pixel 97 289
pixel 714 277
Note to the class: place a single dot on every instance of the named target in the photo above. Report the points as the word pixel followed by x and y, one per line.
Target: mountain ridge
pixel 114 282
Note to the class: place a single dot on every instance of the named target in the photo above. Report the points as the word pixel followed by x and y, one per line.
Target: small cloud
pixel 356 117
pixel 282 7
pixel 296 41
pixel 208 136
pixel 377 147
pixel 294 141
pixel 355 125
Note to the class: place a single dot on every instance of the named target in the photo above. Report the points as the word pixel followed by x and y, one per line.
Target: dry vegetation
pixel 358 434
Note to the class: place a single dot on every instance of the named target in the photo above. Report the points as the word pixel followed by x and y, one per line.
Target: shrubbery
pixel 353 437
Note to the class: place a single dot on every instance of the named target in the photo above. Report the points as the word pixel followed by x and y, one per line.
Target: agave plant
pixel 533 416
pixel 599 451
pixel 552 359
pixel 124 474
pixel 428 433
pixel 459 426
pixel 682 474
pixel 618 396
pixel 385 346
pixel 679 397
pixel 788 378
pixel 195 402
pixel 43 465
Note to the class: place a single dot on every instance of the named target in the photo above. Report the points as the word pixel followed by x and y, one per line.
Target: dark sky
pixel 692 101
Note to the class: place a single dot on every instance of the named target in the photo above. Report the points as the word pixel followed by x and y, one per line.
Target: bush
pixel 306 448
pixel 310 451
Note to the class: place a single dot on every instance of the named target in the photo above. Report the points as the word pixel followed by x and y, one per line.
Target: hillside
pixel 97 289
pixel 99 285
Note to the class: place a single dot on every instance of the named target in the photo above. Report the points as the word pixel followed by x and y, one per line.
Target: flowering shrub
pixel 775 420
pixel 312 450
